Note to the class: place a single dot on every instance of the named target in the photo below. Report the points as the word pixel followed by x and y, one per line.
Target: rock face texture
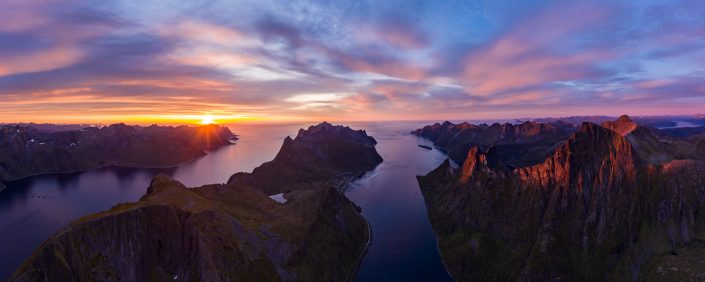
pixel 532 141
pixel 600 207
pixel 622 126
pixel 28 150
pixel 220 232
pixel 322 153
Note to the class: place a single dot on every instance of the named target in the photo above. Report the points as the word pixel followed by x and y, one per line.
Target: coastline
pixel 365 249
pixel 342 189
pixel 438 249
pixel 4 182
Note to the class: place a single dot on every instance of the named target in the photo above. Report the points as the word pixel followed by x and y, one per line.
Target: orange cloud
pixel 52 58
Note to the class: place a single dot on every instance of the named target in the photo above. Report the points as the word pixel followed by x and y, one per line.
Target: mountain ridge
pixel 31 151
pixel 596 209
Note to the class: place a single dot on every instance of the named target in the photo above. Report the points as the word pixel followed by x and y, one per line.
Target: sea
pixel 403 246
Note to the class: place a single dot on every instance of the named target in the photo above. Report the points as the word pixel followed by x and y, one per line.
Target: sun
pixel 207 119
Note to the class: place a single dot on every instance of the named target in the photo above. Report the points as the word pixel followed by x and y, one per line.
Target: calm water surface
pixel 403 246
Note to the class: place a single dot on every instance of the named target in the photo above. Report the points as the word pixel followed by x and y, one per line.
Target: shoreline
pixel 3 183
pixel 343 189
pixel 365 249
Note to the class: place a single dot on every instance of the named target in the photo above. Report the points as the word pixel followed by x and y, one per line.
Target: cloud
pixel 316 101
pixel 42 60
pixel 534 52
pixel 349 59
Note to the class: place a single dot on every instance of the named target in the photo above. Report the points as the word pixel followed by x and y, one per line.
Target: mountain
pixel 323 153
pixel 49 127
pixel 614 202
pixel 225 232
pixel 530 141
pixel 575 119
pixel 31 150
pixel 623 125
pixel 650 121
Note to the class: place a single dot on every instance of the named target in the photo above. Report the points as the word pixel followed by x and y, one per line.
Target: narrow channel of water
pixel 403 244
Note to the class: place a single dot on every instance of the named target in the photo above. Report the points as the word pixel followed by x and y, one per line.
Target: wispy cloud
pixel 349 59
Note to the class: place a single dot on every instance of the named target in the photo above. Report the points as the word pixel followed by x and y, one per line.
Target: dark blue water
pixel 403 243
pixel 403 246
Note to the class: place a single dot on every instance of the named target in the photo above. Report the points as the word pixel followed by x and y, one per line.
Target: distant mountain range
pixel 31 149
pixel 652 121
pixel 543 202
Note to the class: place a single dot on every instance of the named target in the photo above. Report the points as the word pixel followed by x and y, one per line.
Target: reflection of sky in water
pixel 403 244
pixel 681 124
pixel 33 209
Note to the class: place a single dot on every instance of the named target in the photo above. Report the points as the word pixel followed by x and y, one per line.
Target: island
pixel 232 231
pixel 30 149
pixel 612 202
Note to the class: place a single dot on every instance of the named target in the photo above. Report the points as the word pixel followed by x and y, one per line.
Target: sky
pixel 270 61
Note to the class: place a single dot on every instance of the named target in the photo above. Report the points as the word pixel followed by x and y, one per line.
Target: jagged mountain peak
pixel 323 152
pixel 624 125
pixel 475 161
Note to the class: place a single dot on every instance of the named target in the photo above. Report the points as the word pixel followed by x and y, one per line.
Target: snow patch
pixel 279 198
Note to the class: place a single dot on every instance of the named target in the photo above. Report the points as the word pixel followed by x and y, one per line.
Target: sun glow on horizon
pixel 207 119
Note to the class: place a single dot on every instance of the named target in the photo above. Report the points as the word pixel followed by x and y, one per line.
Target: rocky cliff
pixel 611 202
pixel 323 153
pixel 532 141
pixel 224 232
pixel 27 150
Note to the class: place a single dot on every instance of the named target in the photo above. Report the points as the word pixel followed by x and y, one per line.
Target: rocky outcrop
pixel 532 141
pixel 600 207
pixel 323 153
pixel 226 232
pixel 622 126
pixel 30 151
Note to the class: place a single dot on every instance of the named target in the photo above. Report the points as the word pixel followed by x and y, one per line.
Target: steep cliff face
pixel 600 207
pixel 227 232
pixel 28 151
pixel 322 153
pixel 531 140
pixel 209 233
pixel 622 126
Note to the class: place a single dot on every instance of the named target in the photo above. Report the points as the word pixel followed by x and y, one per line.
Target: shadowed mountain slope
pixel 29 151
pixel 322 153
pixel 531 141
